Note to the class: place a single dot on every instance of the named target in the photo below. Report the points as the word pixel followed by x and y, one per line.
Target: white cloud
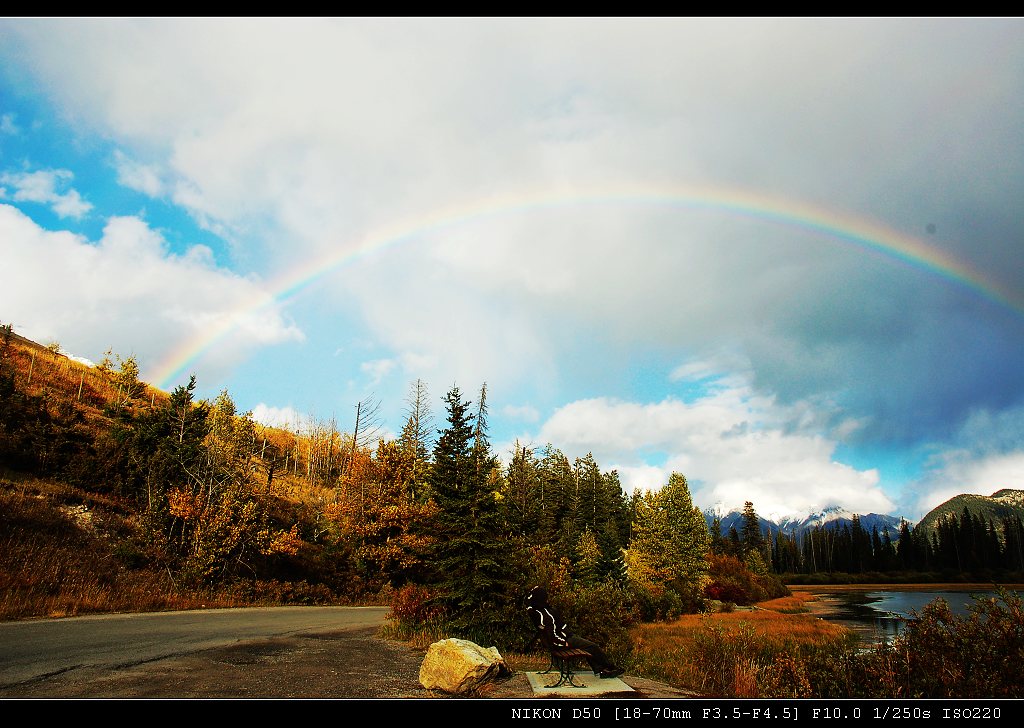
pixel 7 124
pixel 523 412
pixel 145 178
pixel 640 477
pixel 983 456
pixel 49 187
pixel 694 370
pixel 417 364
pixel 128 292
pixel 724 365
pixel 963 473
pixel 286 418
pixel 377 369
pixel 731 446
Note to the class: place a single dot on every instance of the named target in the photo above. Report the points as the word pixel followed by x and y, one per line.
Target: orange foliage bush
pixel 732 581
pixel 411 605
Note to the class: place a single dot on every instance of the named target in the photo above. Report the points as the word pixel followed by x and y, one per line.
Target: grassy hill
pixel 91 519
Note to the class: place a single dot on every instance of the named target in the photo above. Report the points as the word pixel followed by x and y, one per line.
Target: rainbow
pixel 860 233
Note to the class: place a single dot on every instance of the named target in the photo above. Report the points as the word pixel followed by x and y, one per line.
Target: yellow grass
pixel 39 370
pixel 767 623
pixel 748 653
pixel 795 604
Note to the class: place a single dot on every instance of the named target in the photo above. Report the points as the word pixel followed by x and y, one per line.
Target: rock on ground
pixel 460 666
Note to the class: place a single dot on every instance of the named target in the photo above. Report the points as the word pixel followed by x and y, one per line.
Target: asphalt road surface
pixel 277 653
pixel 36 653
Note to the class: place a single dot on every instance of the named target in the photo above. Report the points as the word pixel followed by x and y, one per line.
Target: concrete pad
pixel 593 686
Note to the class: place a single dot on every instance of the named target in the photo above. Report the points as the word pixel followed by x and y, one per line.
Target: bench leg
pixel 565 674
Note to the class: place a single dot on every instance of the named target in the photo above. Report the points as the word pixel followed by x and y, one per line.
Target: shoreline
pixel 823 601
pixel 939 586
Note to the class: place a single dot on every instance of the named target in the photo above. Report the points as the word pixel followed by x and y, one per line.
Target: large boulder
pixel 460 666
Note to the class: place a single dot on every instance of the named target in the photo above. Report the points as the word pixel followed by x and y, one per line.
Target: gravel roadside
pixel 344 664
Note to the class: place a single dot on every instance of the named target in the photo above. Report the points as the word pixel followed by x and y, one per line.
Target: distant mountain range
pixel 833 517
pixel 1002 503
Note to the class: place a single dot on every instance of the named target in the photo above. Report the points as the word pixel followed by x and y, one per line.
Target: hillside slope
pixel 1002 504
pixel 113 500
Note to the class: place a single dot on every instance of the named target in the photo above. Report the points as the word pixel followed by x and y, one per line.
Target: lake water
pixel 880 615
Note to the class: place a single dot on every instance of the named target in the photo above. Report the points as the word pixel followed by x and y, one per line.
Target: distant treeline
pixel 964 545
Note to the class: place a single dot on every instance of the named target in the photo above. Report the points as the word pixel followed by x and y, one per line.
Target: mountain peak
pixel 1009 495
pixel 830 516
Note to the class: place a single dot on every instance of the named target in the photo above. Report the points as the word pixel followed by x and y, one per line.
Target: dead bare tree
pixel 367 426
pixel 417 436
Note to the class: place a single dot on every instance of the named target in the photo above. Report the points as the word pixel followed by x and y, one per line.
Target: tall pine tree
pixel 469 574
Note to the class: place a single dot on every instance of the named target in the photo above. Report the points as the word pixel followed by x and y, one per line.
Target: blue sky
pixel 604 220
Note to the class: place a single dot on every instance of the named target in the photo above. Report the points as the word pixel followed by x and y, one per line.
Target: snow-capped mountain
pixel 832 517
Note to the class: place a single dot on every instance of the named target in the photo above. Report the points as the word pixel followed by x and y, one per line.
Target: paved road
pixel 34 650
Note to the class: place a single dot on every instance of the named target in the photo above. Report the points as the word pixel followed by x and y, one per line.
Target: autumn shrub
pixel 941 654
pixel 272 591
pixel 412 604
pixel 656 605
pixel 130 555
pixel 43 434
pixel 834 669
pixel 785 676
pixel 773 586
pixel 602 613
pixel 733 581
pixel 414 616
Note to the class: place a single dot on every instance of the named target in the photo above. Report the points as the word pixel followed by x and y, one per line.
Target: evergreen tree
pixel 558 505
pixel 688 530
pixel 905 548
pixel 733 545
pixel 587 561
pixel 633 506
pixel 717 544
pixel 601 509
pixel 785 553
pixel 750 532
pixel 888 559
pixel 162 448
pixel 481 444
pixel 613 533
pixel 1013 553
pixel 967 541
pixel 523 494
pixel 860 547
pixel 467 556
